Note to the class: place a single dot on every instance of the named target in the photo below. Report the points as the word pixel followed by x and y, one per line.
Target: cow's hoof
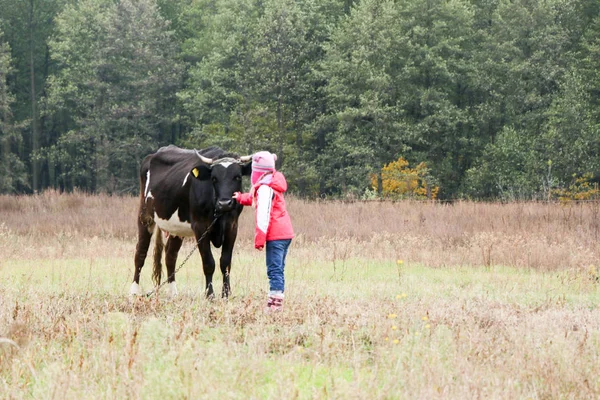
pixel 135 290
pixel 172 289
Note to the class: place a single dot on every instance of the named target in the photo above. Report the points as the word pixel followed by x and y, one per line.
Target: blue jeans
pixel 276 253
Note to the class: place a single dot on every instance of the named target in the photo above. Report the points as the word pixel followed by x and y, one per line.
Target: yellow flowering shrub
pixel 581 189
pixel 399 181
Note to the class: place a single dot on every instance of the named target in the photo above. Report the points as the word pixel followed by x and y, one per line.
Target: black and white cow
pixel 181 191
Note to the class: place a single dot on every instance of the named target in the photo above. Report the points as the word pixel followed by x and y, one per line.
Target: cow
pixel 181 192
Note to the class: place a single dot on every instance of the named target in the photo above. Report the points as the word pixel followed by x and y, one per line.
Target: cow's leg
pixel 208 262
pixel 141 251
pixel 172 250
pixel 226 256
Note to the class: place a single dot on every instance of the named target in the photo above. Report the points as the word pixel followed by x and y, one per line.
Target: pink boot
pixel 274 303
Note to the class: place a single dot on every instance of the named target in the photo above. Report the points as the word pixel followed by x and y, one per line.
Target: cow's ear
pixel 247 169
pixel 201 172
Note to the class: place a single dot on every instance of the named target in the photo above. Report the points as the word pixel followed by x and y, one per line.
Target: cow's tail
pixel 158 250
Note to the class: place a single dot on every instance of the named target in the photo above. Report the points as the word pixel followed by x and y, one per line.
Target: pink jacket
pixel 272 219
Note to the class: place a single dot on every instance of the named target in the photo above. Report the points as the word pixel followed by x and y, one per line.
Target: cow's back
pixel 170 167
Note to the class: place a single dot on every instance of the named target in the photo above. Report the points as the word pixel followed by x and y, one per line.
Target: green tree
pixel 572 133
pixel 287 48
pixel 361 70
pixel 588 64
pixel 28 25
pixel 510 168
pixel 253 85
pixel 217 48
pixel 533 103
pixel 571 137
pixel 13 176
pixel 499 98
pixel 115 90
pixel 399 84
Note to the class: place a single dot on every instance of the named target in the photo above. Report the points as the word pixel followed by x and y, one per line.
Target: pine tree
pixel 13 176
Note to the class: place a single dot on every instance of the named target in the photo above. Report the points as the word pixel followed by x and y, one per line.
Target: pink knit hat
pixel 262 162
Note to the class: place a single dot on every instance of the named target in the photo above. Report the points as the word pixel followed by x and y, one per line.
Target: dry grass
pixel 532 235
pixel 513 313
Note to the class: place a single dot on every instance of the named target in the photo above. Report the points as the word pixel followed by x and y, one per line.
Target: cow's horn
pixel 206 160
pixel 245 158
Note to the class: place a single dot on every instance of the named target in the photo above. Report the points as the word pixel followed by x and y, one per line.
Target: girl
pixel 273 224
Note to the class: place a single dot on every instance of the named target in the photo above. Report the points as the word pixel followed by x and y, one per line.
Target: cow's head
pixel 225 175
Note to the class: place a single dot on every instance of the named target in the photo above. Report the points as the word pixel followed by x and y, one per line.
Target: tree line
pixel 497 98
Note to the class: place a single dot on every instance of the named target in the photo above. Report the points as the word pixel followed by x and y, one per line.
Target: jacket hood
pixel 276 181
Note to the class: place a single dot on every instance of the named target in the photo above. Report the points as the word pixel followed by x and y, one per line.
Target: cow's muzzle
pixel 225 205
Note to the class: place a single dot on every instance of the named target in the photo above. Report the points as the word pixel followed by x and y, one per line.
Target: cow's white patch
pixel 174 225
pixel 225 164
pixel 172 289
pixel 135 290
pixel 146 192
pixel 185 179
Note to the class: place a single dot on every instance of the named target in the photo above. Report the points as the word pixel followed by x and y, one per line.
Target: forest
pixel 485 99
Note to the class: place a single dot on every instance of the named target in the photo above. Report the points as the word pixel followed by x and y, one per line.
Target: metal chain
pixel 206 232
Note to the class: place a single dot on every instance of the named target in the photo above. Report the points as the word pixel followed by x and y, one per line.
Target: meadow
pixel 383 301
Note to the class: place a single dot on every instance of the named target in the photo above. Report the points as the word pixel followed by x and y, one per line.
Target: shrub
pixel 399 181
pixel 581 189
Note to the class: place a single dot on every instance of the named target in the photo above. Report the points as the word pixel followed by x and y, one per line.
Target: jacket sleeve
pixel 264 201
pixel 245 199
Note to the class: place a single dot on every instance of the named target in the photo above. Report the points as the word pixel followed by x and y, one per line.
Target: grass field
pixel 383 301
